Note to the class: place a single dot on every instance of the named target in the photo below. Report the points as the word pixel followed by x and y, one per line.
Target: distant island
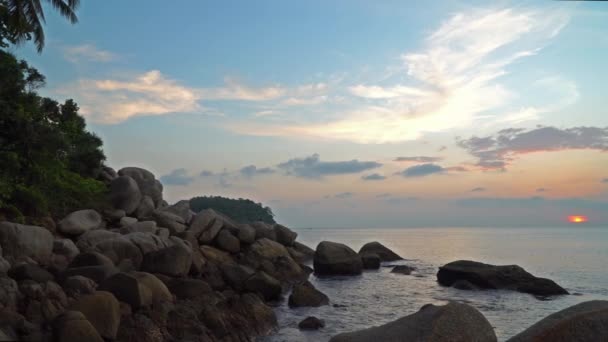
pixel 240 210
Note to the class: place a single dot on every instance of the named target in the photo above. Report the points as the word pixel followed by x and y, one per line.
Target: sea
pixel 575 257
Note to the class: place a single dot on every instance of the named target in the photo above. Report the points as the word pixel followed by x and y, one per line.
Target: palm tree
pixel 24 18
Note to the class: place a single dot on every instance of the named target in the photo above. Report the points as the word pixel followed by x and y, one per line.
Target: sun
pixel 577 219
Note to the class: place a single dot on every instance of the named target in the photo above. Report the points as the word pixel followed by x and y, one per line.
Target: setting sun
pixel 577 219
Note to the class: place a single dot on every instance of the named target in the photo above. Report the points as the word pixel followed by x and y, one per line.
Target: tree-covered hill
pixel 241 210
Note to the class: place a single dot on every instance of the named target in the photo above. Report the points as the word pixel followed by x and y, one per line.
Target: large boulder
pixel 147 183
pixel 311 323
pixel 584 322
pixel 186 288
pixel 168 220
pixel 78 285
pixel 102 310
pixel 173 261
pixel 228 242
pixel 87 241
pixel 246 233
pixel 285 236
pixel 300 252
pixel 65 247
pixel 332 258
pixel 371 261
pixel 125 194
pixel 80 222
pixel 138 289
pixel 73 326
pixel 274 259
pixel 236 275
pixel 119 249
pixel 265 285
pixel 148 242
pixel 20 241
pixel 511 277
pixel 181 209
pixel 380 250
pixel 92 265
pixel 30 272
pixel 140 227
pixel 264 231
pixel 306 294
pixel 208 223
pixel 145 207
pixel 454 322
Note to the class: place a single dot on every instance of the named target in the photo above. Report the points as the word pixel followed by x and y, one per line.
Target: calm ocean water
pixel 575 257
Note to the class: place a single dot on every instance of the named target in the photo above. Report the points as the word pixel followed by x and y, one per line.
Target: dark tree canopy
pixel 240 210
pixel 49 160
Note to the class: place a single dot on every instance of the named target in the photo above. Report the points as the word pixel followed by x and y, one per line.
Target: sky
pixel 350 113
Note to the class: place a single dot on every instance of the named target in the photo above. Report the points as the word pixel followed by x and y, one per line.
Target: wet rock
pixel 511 277
pixel 371 261
pixel 173 261
pixel 333 258
pixel 125 194
pixel 306 294
pixel 448 323
pixel 285 236
pixel 102 310
pixel 265 285
pixel 584 322
pixel 311 323
pixel 403 269
pixel 73 326
pixel 20 241
pixel 30 272
pixel 464 285
pixel 138 289
pixel 80 222
pixel 383 252
pixel 228 242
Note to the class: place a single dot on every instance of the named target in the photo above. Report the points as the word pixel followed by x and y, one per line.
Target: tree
pixel 22 20
pixel 49 160
pixel 240 210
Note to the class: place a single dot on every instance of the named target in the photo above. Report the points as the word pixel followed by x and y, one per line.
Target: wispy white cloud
pixel 88 53
pixel 452 82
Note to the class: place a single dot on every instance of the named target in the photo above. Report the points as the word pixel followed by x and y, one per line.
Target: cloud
pixel 442 148
pixel 177 177
pixel 88 53
pixel 206 173
pixel 451 82
pixel 419 159
pixel 252 170
pixel 297 101
pixel 497 151
pixel 422 170
pixel 605 180
pixel 313 167
pixel 373 177
pixel 542 190
pixel 344 195
pixel 478 189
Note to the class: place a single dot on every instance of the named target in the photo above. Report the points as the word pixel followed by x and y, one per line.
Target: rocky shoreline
pixel 143 270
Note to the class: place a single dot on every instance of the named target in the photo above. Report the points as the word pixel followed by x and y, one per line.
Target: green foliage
pixel 22 20
pixel 240 210
pixel 49 159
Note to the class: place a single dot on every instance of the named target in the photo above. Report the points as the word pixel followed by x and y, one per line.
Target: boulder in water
pixel 448 323
pixel 584 322
pixel 511 277
pixel 306 294
pixel 332 258
pixel 403 269
pixel 371 261
pixel 311 323
pixel 379 249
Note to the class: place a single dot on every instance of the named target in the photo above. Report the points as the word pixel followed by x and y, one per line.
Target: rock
pixel 265 285
pixel 264 231
pixel 236 275
pixel 300 252
pixel 464 285
pixel 383 252
pixel 168 220
pixel 102 310
pixel 181 209
pixel 208 223
pixel 120 248
pixel 173 261
pixel 371 261
pixel 20 241
pixel 87 241
pixel 138 289
pixel 31 272
pixel 79 222
pixel 140 227
pixel 448 323
pixel 9 293
pixel 114 215
pixel 148 242
pixel 145 208
pixel 140 328
pixel 65 247
pixel 584 322
pixel 96 273
pixel 246 234
pixel 107 174
pixel 511 277
pixel 91 259
pixel 228 242
pixel 285 236
pixel 4 266
pixel 163 233
pixel 73 326
pixel 306 294
pixel 125 194
pixel 215 255
pixel 147 183
pixel 127 221
pixel 333 258
pixel 274 259
pixel 189 288
pixel 311 323
pixel 78 285
pixel 403 269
